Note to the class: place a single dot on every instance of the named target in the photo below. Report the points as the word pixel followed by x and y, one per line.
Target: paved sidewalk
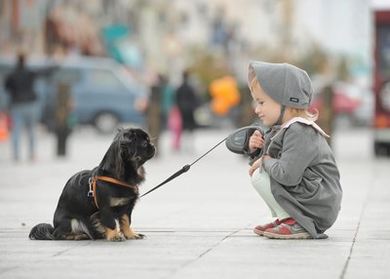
pixel 199 225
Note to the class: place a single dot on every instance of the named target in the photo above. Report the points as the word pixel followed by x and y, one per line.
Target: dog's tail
pixel 42 232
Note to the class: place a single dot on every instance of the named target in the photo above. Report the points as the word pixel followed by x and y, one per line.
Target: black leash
pixel 183 169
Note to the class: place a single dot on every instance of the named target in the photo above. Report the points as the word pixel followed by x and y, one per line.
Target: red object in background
pixel 381 77
pixel 341 104
pixel 4 126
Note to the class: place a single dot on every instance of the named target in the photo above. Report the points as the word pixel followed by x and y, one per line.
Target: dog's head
pixel 135 146
pixel 130 149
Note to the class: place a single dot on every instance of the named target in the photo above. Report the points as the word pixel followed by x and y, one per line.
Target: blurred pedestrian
pixel 294 170
pixel 154 111
pixel 63 117
pixel 246 114
pixel 171 118
pixel 167 100
pixel 175 126
pixel 23 105
pixel 327 117
pixel 187 102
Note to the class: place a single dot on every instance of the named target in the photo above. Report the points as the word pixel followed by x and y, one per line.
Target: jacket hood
pixel 286 84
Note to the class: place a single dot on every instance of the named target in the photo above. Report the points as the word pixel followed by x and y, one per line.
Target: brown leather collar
pixel 92 185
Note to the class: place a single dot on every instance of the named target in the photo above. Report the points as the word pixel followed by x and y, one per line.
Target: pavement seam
pixel 216 245
pixel 345 267
pixel 204 253
pixel 68 249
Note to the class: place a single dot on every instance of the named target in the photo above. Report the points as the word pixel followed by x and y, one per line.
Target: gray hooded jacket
pixel 304 177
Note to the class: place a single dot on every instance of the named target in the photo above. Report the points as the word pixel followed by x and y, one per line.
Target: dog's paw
pixel 117 237
pixel 136 236
pixel 140 236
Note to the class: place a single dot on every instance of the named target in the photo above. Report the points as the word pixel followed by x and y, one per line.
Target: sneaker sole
pixel 302 235
pixel 258 232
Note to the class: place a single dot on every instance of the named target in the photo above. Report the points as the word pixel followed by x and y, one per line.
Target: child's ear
pixel 253 83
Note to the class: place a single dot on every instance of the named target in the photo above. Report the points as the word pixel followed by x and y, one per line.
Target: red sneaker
pixel 259 230
pixel 287 229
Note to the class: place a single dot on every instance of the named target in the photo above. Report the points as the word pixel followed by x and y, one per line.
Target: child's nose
pixel 257 109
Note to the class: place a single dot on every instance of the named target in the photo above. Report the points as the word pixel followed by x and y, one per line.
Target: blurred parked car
pixel 104 92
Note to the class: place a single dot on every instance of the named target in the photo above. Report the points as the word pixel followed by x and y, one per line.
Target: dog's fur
pixel 77 216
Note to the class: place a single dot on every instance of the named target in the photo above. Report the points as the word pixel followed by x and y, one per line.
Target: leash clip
pixel 90 192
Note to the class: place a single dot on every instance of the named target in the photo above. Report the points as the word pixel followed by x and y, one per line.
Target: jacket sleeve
pixel 298 151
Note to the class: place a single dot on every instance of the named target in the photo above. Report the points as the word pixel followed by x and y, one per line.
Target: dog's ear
pixel 119 161
pixel 113 161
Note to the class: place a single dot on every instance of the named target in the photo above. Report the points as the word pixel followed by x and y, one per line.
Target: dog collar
pixel 92 182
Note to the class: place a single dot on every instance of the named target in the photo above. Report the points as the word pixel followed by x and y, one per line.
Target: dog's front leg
pixel 112 233
pixel 128 232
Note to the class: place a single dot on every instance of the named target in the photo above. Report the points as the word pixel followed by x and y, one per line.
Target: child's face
pixel 266 108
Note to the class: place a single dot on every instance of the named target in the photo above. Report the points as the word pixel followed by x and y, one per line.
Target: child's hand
pixel 256 141
pixel 256 165
pixel 266 157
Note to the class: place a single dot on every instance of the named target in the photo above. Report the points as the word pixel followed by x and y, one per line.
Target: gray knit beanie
pixel 286 84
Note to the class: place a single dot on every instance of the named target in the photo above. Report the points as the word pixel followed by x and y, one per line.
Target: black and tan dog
pixel 98 203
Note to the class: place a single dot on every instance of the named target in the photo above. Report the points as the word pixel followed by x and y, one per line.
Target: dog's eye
pixel 144 143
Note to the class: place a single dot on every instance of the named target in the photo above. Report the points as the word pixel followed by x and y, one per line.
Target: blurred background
pixel 175 67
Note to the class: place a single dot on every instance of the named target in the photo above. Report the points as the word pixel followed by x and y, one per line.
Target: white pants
pixel 262 184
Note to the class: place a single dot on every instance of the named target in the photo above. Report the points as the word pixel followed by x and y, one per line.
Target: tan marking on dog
pixel 81 236
pixel 118 201
pixel 126 229
pixel 97 224
pixel 69 237
pixel 114 235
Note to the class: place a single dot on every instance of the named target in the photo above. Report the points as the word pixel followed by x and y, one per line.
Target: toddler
pixel 293 168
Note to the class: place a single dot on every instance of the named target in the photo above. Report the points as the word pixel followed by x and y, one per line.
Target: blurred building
pixel 239 30
pixel 164 33
pixel 21 25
